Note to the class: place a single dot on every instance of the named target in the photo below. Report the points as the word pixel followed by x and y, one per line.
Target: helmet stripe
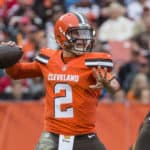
pixel 81 19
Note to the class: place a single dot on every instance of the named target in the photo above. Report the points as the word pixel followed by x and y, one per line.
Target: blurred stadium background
pixel 122 27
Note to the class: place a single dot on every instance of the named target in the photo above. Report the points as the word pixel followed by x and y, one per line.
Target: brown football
pixel 9 55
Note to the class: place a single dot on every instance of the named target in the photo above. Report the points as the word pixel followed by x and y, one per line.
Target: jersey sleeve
pixel 24 70
pixel 103 59
pixel 44 56
pixel 32 69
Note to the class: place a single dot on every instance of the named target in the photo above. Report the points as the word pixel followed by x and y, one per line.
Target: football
pixel 9 55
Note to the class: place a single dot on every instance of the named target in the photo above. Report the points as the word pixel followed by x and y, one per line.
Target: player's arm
pixel 24 70
pixel 105 79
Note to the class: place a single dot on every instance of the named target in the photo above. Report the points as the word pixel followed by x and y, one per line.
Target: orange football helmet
pixel 74 33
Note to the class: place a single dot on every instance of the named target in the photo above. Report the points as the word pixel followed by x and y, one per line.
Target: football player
pixel 73 78
pixel 142 142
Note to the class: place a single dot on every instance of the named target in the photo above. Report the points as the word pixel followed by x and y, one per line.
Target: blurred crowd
pixel 126 22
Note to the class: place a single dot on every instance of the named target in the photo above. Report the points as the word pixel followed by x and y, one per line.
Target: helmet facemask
pixel 80 39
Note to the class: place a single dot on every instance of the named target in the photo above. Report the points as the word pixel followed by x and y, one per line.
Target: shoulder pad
pixel 44 55
pixel 103 59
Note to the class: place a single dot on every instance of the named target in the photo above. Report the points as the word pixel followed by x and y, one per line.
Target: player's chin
pixel 78 53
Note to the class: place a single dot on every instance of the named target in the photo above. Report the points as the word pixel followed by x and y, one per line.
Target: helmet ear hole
pixel 66 44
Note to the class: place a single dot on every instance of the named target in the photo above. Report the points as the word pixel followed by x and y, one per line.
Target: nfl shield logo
pixel 64 68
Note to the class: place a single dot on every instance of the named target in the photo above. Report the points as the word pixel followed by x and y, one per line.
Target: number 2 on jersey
pixel 63 100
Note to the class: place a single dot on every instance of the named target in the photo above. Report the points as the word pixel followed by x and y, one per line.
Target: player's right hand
pixel 10 43
pixel 10 54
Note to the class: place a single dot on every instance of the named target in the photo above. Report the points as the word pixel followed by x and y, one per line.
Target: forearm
pixel 24 70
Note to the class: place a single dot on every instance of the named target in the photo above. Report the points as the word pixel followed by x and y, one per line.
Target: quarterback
pixel 73 77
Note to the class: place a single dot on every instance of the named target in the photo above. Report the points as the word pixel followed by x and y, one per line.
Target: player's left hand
pixel 101 78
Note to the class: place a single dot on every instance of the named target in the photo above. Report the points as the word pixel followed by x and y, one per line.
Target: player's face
pixel 82 40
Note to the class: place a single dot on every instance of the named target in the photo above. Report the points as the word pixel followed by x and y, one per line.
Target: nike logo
pixel 91 136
